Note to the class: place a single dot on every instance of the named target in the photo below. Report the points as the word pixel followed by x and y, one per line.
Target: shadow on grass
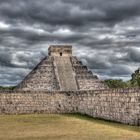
pixel 104 122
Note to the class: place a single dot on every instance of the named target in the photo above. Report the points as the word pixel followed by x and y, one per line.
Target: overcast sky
pixel 105 35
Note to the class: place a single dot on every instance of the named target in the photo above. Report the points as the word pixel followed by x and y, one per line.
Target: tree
pixel 135 78
pixel 116 83
pixel 7 88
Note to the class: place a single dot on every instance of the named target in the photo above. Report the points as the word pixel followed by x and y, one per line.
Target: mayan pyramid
pixel 61 71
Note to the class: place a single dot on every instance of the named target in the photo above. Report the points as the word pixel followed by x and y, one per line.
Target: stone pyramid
pixel 61 71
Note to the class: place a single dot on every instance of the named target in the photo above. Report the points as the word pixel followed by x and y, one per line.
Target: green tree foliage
pixel 7 88
pixel 133 82
pixel 114 83
pixel 135 78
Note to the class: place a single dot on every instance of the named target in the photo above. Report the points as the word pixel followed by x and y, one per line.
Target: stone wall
pixel 121 105
pixel 116 105
pixel 34 102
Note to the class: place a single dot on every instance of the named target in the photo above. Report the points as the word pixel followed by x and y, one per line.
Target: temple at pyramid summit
pixel 61 71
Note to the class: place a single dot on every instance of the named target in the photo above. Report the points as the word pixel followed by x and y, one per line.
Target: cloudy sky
pixel 105 35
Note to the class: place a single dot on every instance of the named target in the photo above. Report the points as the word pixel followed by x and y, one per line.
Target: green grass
pixel 63 127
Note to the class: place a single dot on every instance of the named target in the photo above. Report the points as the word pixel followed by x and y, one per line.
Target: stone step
pixel 65 73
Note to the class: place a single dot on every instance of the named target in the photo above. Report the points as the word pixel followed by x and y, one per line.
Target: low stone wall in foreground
pixel 120 105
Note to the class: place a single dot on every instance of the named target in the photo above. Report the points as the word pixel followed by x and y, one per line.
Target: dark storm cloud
pixel 72 13
pixel 105 35
pixel 131 55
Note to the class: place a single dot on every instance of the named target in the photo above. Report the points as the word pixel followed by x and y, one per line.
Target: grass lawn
pixel 63 127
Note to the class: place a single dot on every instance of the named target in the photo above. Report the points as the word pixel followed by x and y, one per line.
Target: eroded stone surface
pixel 121 105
